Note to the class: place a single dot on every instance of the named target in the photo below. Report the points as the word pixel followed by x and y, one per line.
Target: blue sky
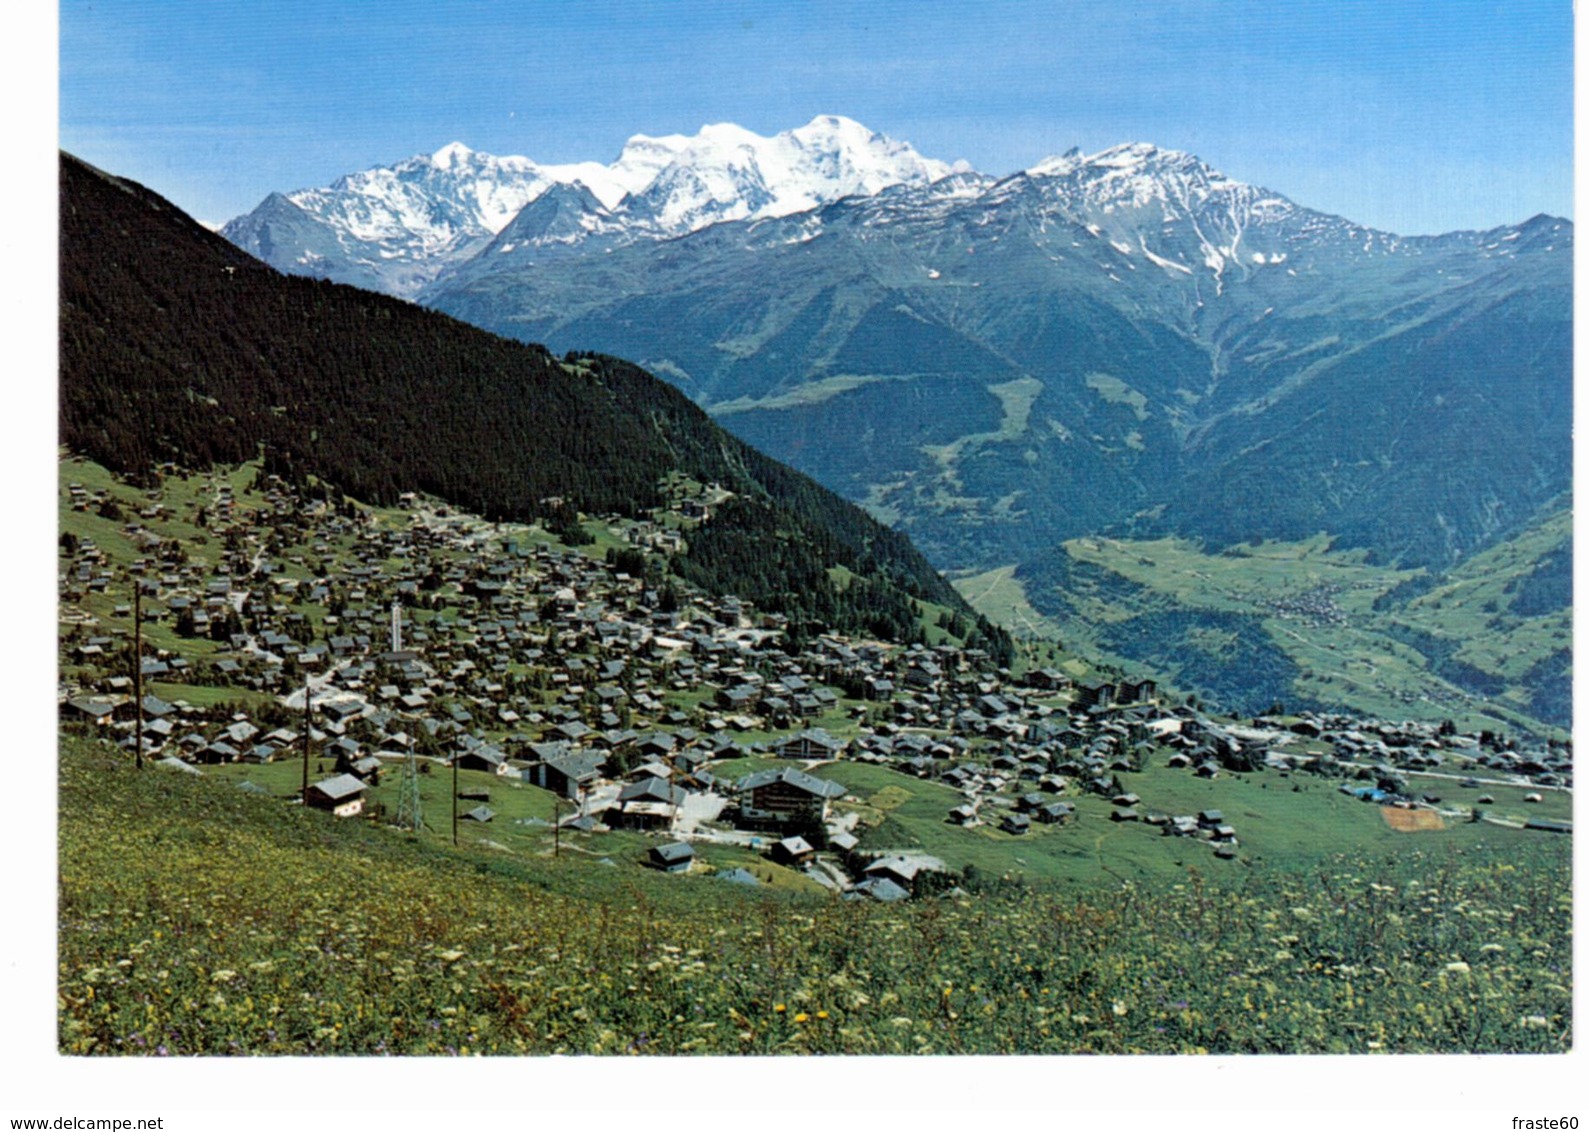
pixel 1410 115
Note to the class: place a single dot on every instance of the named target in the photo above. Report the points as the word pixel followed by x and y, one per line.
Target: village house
pixel 569 775
pixel 901 869
pixel 650 803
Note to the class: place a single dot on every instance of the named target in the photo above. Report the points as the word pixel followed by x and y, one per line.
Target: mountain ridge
pixel 1156 335
pixel 397 228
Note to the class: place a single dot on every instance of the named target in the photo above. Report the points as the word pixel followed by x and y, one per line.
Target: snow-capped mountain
pixel 398 228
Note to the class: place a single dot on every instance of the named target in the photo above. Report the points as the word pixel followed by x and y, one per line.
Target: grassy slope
pixel 1472 606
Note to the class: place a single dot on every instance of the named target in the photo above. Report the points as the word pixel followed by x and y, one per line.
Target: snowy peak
pixel 726 172
pixel 559 219
pixel 450 155
pixel 1139 174
pixel 1170 208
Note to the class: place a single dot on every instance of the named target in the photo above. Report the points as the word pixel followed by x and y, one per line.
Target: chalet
pixel 153 708
pixel 675 857
pixel 342 795
pixel 1054 813
pixel 878 688
pixel 992 706
pixel 959 778
pixel 656 745
pixel 1099 695
pixel 902 870
pixel 98 712
pixel 652 769
pixel 571 732
pixel 1016 823
pixel 1137 691
pixel 483 758
pixel 1047 679
pixel 216 752
pixel 651 803
pixel 689 761
pixel 568 775
pixel 739 698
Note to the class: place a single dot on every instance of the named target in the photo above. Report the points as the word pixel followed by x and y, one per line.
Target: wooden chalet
pixel 794 851
pixel 568 775
pixel 813 743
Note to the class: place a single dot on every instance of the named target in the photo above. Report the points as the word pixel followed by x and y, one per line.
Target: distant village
pixel 421 640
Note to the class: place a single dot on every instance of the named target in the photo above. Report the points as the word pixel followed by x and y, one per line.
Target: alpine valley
pixel 1253 450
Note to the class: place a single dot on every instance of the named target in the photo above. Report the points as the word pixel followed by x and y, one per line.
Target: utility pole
pixel 455 799
pixel 137 671
pixel 557 827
